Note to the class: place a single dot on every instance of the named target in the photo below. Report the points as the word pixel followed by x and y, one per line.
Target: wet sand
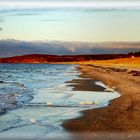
pixel 86 84
pixel 122 115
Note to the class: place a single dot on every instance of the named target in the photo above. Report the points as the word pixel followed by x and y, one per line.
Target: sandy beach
pixel 123 114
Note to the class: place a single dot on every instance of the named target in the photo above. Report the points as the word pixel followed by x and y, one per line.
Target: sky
pixel 84 21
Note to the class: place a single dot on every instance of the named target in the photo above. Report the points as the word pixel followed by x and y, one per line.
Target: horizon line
pixel 64 41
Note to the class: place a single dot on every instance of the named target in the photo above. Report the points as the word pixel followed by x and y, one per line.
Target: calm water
pixel 42 85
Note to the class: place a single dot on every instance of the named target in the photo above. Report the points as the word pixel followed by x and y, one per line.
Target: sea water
pixel 46 100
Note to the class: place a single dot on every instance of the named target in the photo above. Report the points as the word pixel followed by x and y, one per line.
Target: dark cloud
pixel 0 29
pixel 14 47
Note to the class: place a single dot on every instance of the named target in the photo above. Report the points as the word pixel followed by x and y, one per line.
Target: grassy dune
pixel 129 63
pixel 122 63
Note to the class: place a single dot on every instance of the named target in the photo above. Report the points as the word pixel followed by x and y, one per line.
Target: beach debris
pixel 116 69
pixel 86 103
pixel 134 73
pixel 49 103
pixel 32 120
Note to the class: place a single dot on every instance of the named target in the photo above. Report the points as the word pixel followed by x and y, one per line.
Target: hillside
pixel 41 58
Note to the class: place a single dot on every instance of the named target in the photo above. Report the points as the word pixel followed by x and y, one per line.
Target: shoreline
pixel 122 114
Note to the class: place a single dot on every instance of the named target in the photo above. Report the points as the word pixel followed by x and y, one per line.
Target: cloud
pixel 15 47
pixel 26 11
pixel 26 14
pixel 54 20
pixel 71 3
pixel 1 19
pixel 115 4
pixel 19 12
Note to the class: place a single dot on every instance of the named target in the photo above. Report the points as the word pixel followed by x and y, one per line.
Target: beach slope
pixel 123 113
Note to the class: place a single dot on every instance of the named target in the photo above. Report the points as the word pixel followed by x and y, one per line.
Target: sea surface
pixel 46 101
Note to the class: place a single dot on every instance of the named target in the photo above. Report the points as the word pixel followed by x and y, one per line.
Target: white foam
pixel 32 120
pixel 100 84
